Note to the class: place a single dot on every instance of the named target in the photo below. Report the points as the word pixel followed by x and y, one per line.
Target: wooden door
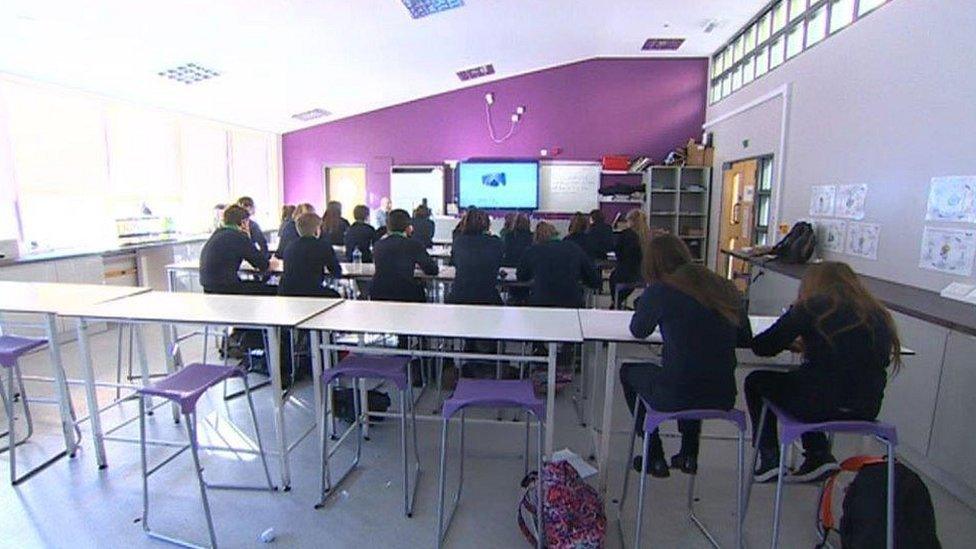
pixel 736 222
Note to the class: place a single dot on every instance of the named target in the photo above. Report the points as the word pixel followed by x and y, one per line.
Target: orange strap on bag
pixel 853 465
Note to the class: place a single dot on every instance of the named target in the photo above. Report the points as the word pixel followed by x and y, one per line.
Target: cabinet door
pixel 910 397
pixel 953 446
pixel 81 270
pixel 41 271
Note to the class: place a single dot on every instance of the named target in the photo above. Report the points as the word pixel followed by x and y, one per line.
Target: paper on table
pixel 582 467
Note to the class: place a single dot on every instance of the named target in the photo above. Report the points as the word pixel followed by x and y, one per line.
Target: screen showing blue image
pixel 499 185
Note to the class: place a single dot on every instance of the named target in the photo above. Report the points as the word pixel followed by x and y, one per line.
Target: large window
pixel 779 33
pixel 71 164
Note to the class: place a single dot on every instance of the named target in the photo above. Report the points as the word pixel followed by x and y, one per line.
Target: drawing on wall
pixel 832 234
pixel 849 201
pixel 822 200
pixel 948 250
pixel 862 240
pixel 952 199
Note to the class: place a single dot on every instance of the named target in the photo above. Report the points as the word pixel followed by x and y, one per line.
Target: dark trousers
pixel 639 379
pixel 804 402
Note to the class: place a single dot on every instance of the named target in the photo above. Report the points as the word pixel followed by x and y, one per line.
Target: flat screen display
pixel 499 185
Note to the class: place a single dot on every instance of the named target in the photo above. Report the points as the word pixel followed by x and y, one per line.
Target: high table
pixel 268 313
pixel 48 299
pixel 527 324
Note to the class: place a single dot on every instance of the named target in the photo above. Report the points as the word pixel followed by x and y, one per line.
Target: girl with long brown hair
pixel 558 270
pixel 628 247
pixel 702 321
pixel 288 232
pixel 577 230
pixel 848 340
pixel 334 226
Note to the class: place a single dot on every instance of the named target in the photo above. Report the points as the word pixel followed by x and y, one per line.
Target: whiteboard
pixel 566 187
pixel 409 185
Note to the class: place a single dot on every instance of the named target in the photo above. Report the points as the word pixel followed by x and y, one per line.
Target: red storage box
pixel 616 163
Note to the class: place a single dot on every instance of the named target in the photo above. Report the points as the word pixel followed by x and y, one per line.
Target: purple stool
pixel 396 370
pixel 184 388
pixel 488 393
pixel 652 421
pixel 791 429
pixel 11 349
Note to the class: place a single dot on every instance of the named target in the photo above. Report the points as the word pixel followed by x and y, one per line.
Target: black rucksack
pixel 798 245
pixel 863 524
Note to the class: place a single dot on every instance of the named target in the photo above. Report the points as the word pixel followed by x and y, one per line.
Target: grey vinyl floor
pixel 73 504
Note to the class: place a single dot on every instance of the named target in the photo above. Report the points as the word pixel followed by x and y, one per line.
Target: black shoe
pixel 656 466
pixel 685 463
pixel 815 467
pixel 768 467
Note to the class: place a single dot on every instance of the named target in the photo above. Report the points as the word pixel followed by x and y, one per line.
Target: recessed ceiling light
pixel 663 44
pixel 423 8
pixel 311 115
pixel 476 72
pixel 189 73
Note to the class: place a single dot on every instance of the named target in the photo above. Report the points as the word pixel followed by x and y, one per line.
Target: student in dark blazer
pixel 221 257
pixel 423 226
pixel 577 231
pixel 306 261
pixel 257 235
pixel 396 256
pixel 334 226
pixel 287 213
pixel 628 248
pixel 288 233
pixel 848 340
pixel 702 319
pixel 477 256
pixel 517 241
pixel 558 270
pixel 361 235
pixel 599 236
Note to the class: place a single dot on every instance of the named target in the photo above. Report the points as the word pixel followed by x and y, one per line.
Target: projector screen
pixel 499 185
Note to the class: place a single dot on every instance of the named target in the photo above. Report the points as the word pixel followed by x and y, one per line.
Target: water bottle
pixel 357 257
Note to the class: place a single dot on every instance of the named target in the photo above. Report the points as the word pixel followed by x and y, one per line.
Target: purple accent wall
pixel 589 109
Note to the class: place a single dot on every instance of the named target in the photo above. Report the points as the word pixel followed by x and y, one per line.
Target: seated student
pixel 396 256
pixel 848 340
pixel 423 226
pixel 288 233
pixel 600 236
pixel 382 213
pixel 287 212
pixel 361 235
pixel 702 318
pixel 577 230
pixel 509 225
pixel 628 248
pixel 334 226
pixel 257 235
pixel 517 241
pixel 221 257
pixel 477 256
pixel 558 270
pixel 306 261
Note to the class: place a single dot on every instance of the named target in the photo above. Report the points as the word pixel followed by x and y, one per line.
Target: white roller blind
pixel 251 173
pixel 203 167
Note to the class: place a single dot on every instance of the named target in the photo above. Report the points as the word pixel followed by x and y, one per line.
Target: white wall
pixel 889 101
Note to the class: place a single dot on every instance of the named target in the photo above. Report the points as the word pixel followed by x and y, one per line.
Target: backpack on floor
pixel 864 520
pixel 345 409
pixel 573 510
pixel 798 245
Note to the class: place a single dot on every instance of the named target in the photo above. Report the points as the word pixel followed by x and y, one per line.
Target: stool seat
pixel 14 347
pixel 187 385
pixel 654 418
pixel 792 428
pixel 491 393
pixel 389 368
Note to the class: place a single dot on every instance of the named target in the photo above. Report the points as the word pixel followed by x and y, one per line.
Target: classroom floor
pixel 72 504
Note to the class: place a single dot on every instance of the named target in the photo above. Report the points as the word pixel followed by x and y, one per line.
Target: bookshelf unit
pixel 677 202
